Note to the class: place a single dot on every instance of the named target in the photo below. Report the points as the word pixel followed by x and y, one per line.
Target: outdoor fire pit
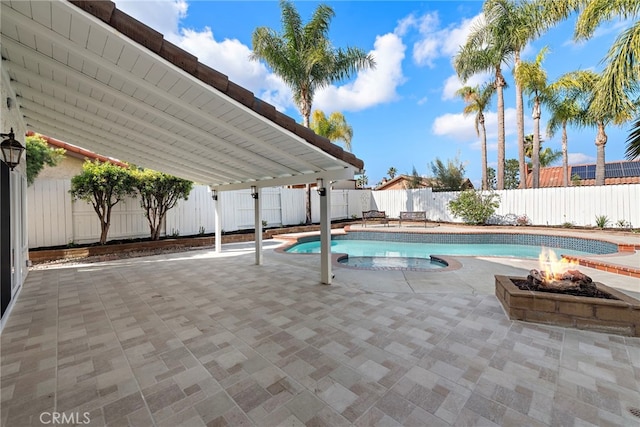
pixel 568 298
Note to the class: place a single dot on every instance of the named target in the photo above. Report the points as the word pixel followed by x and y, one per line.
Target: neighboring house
pixel 71 164
pixel 615 173
pixel 403 182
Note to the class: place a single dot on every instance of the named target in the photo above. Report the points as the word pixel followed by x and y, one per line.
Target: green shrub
pixel 474 207
pixel 602 221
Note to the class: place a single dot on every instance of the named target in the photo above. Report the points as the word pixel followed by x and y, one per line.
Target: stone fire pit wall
pixel 621 316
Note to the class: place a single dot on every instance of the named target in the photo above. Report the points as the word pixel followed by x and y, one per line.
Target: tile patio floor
pixel 196 338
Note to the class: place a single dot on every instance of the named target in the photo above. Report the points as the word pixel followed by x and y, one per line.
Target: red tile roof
pixel 78 152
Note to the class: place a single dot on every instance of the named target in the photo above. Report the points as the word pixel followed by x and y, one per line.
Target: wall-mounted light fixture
pixel 11 149
pixel 320 187
pixel 254 192
pixel 214 195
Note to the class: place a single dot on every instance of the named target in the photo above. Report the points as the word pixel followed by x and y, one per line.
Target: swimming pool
pixel 374 248
pixel 378 246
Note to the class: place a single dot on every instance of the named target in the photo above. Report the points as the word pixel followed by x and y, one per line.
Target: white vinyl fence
pixel 543 206
pixel 55 219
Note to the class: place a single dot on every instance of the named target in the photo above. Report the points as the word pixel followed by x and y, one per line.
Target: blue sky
pixel 404 113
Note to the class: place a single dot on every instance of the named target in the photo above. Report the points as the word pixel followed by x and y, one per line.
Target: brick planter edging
pixel 620 317
pixel 185 242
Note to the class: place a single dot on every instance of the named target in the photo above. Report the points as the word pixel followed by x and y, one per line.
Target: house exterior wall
pixel 13 225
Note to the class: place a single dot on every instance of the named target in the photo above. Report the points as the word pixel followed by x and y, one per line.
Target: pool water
pixel 392 263
pixel 379 249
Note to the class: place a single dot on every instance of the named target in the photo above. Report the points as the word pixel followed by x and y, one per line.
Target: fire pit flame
pixel 560 274
pixel 553 267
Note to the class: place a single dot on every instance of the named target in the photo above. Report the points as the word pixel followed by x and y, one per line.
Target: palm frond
pixel 633 142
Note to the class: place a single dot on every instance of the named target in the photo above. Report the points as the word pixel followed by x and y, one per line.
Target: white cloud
pixel 455 126
pixel 580 159
pixel 453 83
pixel 371 86
pixel 434 42
pixel 462 129
pixel 455 37
pixel 231 57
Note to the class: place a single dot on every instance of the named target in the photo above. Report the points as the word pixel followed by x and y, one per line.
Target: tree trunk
pixel 483 139
pixel 535 155
pixel 500 83
pixel 601 141
pixel 520 124
pixel 104 231
pixel 565 156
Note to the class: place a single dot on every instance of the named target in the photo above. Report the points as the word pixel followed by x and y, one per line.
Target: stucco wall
pixel 67 168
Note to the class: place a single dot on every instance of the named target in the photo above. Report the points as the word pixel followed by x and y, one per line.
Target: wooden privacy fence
pixel 55 219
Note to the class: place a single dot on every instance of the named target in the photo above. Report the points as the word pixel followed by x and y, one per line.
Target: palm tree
pixel 546 156
pixel 303 56
pixel 392 172
pixel 518 21
pixel 564 109
pixel 613 96
pixel 533 79
pixel 488 46
pixel 333 128
pixel 587 85
pixel 478 100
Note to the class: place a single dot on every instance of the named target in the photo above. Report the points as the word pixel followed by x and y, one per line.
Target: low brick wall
pixel 621 316
pixel 44 255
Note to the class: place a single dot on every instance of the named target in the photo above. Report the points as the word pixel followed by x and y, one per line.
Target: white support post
pixel 257 206
pixel 218 222
pixel 325 236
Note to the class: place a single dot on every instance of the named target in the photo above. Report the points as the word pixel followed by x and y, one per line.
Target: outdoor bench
pixel 374 215
pixel 413 216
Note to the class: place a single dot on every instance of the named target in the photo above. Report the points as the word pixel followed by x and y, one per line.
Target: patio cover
pixel 89 74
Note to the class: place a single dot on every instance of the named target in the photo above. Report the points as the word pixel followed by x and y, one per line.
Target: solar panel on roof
pixel 591 172
pixel 578 171
pixel 631 169
pixel 613 170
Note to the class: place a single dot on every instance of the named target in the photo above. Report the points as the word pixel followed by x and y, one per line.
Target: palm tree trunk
pixel 483 139
pixel 565 156
pixel 520 124
pixel 601 141
pixel 535 155
pixel 500 83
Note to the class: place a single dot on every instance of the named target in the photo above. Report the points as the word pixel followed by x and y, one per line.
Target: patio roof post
pixel 217 220
pixel 325 232
pixel 257 208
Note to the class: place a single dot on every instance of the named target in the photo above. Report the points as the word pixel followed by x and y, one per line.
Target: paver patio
pixel 198 338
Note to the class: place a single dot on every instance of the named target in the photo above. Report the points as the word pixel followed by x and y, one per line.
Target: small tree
pixel 39 154
pixel 159 192
pixel 449 177
pixel 415 180
pixel 362 180
pixel 474 207
pixel 511 175
pixel 103 185
pixel 392 172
